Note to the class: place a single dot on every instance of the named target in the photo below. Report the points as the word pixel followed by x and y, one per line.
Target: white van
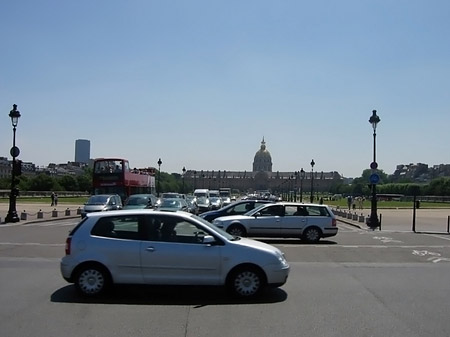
pixel 203 202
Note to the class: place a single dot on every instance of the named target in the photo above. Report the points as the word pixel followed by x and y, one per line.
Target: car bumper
pixel 276 277
pixel 327 232
pixel 66 270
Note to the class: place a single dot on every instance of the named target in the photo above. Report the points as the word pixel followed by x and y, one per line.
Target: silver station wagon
pixel 309 222
pixel 166 248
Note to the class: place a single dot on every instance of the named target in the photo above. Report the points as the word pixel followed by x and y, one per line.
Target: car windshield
pixel 255 210
pixel 171 203
pixel 215 228
pixel 97 200
pixel 201 200
pixel 170 195
pixel 137 201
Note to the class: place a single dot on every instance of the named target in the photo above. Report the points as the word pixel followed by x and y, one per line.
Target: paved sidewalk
pixel 32 212
pixel 428 220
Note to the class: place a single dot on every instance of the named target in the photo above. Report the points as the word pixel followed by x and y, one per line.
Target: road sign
pixel 14 151
pixel 374 178
pixel 374 165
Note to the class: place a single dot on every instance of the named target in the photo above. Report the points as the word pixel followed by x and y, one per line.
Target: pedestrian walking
pixel 53 198
pixel 56 199
pixel 349 201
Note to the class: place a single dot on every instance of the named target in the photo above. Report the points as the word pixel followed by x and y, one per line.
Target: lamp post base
pixel 12 217
pixel 12 212
pixel 372 222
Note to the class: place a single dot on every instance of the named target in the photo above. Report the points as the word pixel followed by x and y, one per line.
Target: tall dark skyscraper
pixel 82 150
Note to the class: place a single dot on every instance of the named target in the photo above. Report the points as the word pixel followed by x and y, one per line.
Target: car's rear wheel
pixel 312 234
pixel 236 230
pixel 92 280
pixel 246 282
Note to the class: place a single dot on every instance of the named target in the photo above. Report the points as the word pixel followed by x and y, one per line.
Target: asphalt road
pixel 359 283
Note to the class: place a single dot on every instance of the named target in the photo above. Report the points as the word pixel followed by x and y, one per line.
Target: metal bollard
pixel 55 213
pixel 78 211
pixel 23 215
pixel 67 211
pixel 40 214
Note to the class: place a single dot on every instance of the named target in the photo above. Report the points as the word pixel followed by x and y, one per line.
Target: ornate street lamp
pixel 195 179
pixel 302 176
pixel 159 176
pixel 184 172
pixel 203 179
pixel 374 178
pixel 16 169
pixel 295 185
pixel 311 199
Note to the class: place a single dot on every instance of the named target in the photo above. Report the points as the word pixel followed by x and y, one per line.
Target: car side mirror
pixel 208 239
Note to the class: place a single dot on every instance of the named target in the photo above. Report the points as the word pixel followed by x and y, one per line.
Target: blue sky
pixel 200 83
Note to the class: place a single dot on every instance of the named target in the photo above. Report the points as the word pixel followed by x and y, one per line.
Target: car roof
pixel 139 211
pixel 140 195
pixel 290 203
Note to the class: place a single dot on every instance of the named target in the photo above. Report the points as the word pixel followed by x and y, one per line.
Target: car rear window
pixel 120 227
pixel 317 211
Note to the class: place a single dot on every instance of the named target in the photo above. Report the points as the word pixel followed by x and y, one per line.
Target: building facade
pixel 261 178
pixel 82 151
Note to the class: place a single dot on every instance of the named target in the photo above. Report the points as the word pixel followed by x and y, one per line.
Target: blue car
pixel 236 208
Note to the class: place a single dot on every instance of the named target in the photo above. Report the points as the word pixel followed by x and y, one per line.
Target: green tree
pixel 68 183
pixel 5 183
pixel 85 182
pixel 43 182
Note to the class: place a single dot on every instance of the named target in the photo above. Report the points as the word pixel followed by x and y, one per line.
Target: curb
pixel 349 223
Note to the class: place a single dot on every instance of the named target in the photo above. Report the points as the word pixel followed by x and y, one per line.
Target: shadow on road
pixel 295 242
pixel 197 296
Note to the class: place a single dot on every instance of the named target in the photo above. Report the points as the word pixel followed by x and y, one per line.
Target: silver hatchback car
pixel 166 248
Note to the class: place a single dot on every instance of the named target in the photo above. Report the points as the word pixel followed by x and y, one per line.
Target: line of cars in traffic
pixel 163 246
pixel 246 217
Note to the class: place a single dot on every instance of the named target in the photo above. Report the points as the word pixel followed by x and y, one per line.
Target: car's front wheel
pixel 246 282
pixel 92 280
pixel 237 230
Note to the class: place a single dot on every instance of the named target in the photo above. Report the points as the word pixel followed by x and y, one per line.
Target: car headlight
pixel 283 261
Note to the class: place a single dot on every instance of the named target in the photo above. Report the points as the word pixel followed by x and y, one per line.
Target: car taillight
pixel 68 243
pixel 333 222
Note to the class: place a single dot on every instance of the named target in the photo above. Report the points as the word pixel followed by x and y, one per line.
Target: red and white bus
pixel 114 175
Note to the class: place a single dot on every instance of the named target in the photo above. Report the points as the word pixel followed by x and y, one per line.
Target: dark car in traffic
pixel 235 208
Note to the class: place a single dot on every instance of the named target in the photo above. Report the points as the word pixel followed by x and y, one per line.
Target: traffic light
pixel 17 167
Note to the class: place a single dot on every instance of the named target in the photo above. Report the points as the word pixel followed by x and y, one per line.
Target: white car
pixel 166 248
pixel 310 222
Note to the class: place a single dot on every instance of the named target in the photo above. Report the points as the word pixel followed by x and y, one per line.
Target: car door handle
pixel 150 249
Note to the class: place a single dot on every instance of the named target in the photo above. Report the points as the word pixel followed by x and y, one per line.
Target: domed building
pixel 261 178
pixel 263 160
